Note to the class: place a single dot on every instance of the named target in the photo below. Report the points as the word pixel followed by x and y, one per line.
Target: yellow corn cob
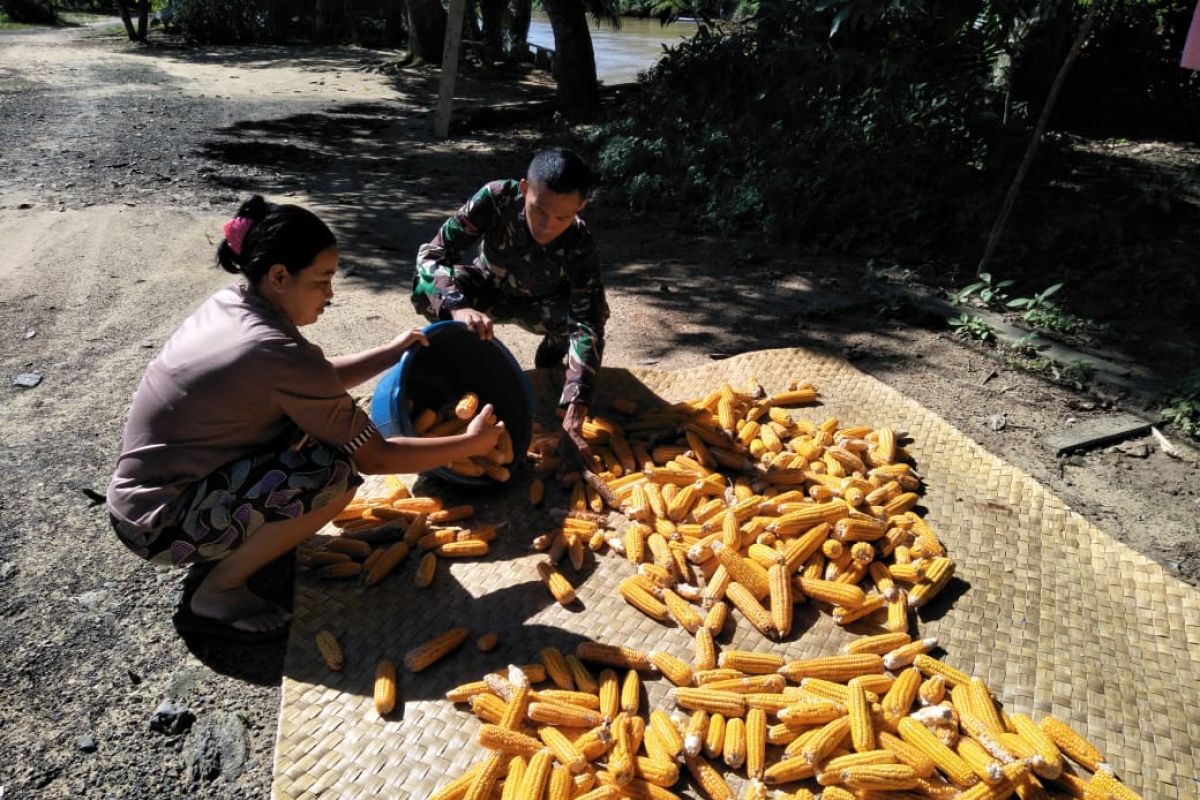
pixel 506 740
pixel 426 569
pixel 423 656
pixel 833 668
pixel 756 742
pixel 770 702
pixel 518 701
pixel 620 757
pixel 728 704
pixel 903 656
pixel 952 766
pixel 676 670
pixel 537 775
pixel 563 748
pixel 715 619
pixel 344 569
pixel 937 575
pixel 556 583
pixel 331 651
pixel 594 742
pixel 488 707
pixel 873 684
pixel 750 662
pixel 781 600
pixel 695 733
pixel 1052 764
pixel 871 604
pixel 463 549
pixel 563 715
pixel 610 693
pixel 743 571
pixel 714 736
pixel 744 600
pixel 1073 745
pixel 862 728
pixel 830 773
pixel 705 650
pixel 637 596
pixel 385 687
pixel 907 754
pixel 831 735
pixel 897 613
pixel 667 732
pixel 932 691
pixel 556 668
pixel 734 753
pixel 709 780
pixel 561 784
pixel 931 666
pixel 879 644
pixel 465 691
pixel 982 705
pixel 840 594
pixel 568 697
pixel 1106 784
pixel 613 655
pixel 811 712
pixel 980 760
pixel 512 778
pixel 789 770
pixel 656 772
pixel 881 777
pixel 630 693
pixel 681 610
pixel 485 780
pixel 584 680
pixel 635 543
pixel 753 684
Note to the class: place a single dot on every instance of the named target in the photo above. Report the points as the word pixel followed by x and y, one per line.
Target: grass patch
pixel 6 24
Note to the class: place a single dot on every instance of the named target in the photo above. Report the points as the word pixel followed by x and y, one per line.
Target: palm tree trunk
pixel 522 11
pixel 426 30
pixel 575 61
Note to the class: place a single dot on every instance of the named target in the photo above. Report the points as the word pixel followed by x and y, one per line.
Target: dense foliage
pixel 877 131
pixel 878 122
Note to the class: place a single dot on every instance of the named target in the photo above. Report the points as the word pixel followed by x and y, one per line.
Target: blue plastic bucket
pixel 455 362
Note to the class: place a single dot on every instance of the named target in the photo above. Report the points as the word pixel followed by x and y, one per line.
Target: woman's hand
pixel 407 340
pixel 484 431
pixel 573 432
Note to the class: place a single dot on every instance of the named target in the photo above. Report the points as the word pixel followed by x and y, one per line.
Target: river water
pixel 621 54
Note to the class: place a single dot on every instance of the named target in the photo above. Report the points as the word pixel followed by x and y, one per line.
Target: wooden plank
pixel 1095 432
pixel 450 48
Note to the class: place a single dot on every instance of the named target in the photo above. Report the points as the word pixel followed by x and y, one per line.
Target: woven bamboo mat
pixel 1053 613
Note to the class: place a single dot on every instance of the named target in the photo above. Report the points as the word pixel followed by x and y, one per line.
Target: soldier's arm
pixel 437 258
pixel 586 318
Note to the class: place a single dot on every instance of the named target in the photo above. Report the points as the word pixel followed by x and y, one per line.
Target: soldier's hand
pixel 476 321
pixel 573 430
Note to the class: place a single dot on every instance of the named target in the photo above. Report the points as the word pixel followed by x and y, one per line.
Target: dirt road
pixel 118 164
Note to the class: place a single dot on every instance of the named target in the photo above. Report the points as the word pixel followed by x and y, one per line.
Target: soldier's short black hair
pixel 560 170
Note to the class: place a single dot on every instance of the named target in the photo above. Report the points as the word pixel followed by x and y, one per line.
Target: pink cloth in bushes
pixel 1191 48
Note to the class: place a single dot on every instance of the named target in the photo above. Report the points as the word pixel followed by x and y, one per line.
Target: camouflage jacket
pixel 523 273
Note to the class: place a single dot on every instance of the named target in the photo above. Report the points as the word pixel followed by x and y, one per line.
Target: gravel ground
pixel 117 165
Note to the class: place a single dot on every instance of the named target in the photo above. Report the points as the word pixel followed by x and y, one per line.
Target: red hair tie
pixel 235 233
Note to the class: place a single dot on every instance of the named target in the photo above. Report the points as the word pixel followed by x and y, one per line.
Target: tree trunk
pixel 143 8
pixel 29 12
pixel 1014 189
pixel 123 8
pixel 574 61
pixel 426 30
pixel 394 29
pixel 493 28
pixel 522 11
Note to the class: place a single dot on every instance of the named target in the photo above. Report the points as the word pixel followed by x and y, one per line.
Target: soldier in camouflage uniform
pixel 537 267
